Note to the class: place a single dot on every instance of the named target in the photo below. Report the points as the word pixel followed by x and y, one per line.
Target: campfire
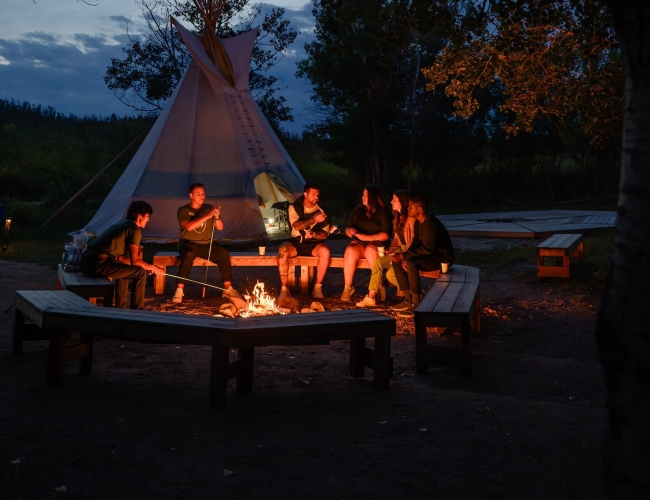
pixel 260 303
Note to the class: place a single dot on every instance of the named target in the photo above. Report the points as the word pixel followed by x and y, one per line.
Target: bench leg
pixel 465 340
pixel 477 317
pixel 357 357
pixel 304 280
pixel 159 282
pixel 245 373
pixel 86 362
pixel 382 369
pixel 218 376
pixel 56 357
pixel 421 340
pixel 291 278
pixel 18 332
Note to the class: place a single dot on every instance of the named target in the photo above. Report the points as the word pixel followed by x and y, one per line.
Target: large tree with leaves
pixel 555 61
pixel 156 59
pixel 365 70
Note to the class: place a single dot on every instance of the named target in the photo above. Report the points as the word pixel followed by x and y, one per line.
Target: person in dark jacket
pixel 431 247
pixel 309 228
pixel 370 227
pixel 114 254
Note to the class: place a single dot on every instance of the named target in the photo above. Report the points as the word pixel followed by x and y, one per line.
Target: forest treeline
pixel 475 105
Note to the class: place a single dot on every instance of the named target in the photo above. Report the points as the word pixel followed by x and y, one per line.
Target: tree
pixel 155 61
pixel 365 70
pixel 555 61
pixel 622 331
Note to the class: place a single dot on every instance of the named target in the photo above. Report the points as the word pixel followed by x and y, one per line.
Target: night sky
pixel 55 53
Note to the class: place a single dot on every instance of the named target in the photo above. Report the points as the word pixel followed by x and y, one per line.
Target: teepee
pixel 210 131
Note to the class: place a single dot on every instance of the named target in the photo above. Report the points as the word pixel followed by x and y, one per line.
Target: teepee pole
pixel 67 203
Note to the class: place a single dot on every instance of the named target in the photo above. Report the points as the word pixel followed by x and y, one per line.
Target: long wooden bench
pixel 305 265
pixel 54 315
pixel 563 246
pixel 452 302
pixel 88 287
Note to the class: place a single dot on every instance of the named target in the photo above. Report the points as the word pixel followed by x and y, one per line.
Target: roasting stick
pixel 209 254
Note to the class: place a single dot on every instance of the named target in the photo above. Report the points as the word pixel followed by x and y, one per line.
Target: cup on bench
pixel 444 267
pixel 380 251
pixel 262 250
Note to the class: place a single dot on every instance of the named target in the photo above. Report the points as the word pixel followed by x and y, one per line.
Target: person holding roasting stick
pixel 197 221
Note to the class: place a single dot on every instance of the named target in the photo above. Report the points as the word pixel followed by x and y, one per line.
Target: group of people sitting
pixel 397 243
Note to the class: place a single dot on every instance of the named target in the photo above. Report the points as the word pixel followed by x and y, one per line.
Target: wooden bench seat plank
pixel 447 301
pixel 432 297
pixel 467 298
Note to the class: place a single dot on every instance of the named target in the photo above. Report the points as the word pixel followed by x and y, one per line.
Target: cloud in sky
pixel 62 62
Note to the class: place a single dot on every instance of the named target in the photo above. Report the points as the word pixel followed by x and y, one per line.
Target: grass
pixel 586 278
pixel 27 245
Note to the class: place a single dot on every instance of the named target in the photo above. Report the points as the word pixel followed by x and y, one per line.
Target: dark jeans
pixel 410 279
pixel 121 273
pixel 219 255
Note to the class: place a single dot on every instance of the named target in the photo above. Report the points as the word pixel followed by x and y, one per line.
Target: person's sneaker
pixel 382 293
pixel 317 292
pixel 347 293
pixel 284 293
pixel 178 296
pixel 367 302
pixel 405 304
pixel 407 313
pixel 230 292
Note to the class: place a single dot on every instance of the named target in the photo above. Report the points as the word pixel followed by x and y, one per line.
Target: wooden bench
pixel 563 246
pixel 305 265
pixel 452 302
pixel 54 315
pixel 88 287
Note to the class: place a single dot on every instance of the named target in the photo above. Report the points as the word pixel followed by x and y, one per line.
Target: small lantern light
pixel 5 233
pixel 270 222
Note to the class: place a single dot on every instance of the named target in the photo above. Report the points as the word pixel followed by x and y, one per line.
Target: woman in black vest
pixel 369 226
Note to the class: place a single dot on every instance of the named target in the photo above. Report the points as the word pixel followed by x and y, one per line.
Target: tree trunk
pixel 623 331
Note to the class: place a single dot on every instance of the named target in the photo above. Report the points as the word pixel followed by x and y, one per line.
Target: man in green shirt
pixel 196 220
pixel 115 255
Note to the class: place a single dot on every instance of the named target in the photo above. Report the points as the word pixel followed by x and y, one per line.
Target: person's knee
pixel 284 251
pixel 322 251
pixel 140 274
pixel 187 253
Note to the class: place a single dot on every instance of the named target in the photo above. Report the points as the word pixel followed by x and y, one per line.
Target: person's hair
pixel 420 202
pixel 375 200
pixel 399 218
pixel 196 185
pixel 138 207
pixel 310 185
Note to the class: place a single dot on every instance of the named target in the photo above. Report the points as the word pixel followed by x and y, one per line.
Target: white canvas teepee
pixel 210 131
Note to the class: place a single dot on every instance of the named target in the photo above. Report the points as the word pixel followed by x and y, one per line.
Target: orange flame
pixel 260 303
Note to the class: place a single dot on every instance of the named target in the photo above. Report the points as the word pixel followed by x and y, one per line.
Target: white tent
pixel 210 131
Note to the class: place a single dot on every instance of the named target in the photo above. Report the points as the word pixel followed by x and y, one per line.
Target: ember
pixel 261 303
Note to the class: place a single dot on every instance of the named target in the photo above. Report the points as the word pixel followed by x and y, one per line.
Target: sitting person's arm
pixel 134 259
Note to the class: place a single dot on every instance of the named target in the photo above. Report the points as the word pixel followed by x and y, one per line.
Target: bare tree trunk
pixel 623 329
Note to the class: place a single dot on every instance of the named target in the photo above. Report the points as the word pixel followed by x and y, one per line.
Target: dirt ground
pixel 529 423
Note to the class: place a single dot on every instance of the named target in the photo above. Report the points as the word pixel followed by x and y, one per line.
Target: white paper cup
pixel 380 251
pixel 262 250
pixel 445 267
